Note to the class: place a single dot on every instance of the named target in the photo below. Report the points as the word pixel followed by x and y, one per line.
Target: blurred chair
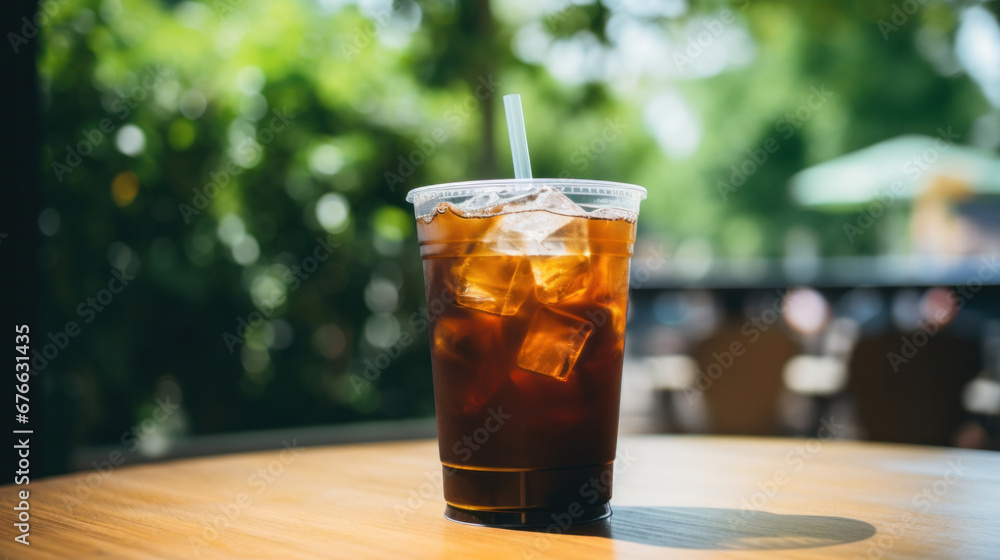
pixel 981 397
pixel 744 398
pixel 908 382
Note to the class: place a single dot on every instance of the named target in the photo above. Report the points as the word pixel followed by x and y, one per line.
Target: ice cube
pixel 481 204
pixel 460 345
pixel 560 278
pixel 494 284
pixel 542 223
pixel 524 233
pixel 452 340
pixel 561 265
pixel 609 290
pixel 545 198
pixel 553 343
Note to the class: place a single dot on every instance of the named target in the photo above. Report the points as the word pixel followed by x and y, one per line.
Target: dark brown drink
pixel 527 315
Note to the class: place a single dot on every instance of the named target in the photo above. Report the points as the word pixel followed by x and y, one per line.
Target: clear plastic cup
pixel 527 292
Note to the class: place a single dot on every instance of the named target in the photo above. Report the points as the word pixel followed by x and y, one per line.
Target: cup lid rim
pixel 630 190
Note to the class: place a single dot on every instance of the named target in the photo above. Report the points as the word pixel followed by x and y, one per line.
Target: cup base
pixel 514 519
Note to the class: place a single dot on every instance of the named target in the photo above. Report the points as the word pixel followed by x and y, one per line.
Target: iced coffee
pixel 527 289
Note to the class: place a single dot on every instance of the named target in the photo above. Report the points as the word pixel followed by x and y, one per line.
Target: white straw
pixel 518 138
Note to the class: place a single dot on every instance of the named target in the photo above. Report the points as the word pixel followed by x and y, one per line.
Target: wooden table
pixel 675 497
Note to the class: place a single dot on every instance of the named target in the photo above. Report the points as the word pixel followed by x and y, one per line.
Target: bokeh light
pixel 49 221
pixel 333 212
pixel 806 310
pixel 130 140
pixel 124 188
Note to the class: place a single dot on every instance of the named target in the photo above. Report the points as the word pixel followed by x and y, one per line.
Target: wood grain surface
pixel 675 497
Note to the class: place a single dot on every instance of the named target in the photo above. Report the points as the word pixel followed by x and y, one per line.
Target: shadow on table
pixel 723 529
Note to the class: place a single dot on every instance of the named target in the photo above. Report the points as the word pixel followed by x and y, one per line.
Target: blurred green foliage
pixel 380 99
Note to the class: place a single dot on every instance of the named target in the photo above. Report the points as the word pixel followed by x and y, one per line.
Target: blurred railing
pixel 888 349
pixel 242 442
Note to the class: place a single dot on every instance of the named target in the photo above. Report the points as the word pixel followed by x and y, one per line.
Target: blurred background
pixel 220 211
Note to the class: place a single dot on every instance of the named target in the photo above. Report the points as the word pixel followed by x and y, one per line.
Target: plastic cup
pixel 527 293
